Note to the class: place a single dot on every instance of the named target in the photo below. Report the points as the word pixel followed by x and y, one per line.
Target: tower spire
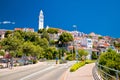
pixel 41 20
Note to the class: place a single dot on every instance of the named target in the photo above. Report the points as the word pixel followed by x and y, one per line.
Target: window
pixel 89 41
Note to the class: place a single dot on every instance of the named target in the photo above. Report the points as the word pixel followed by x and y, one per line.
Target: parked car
pixel 3 63
pixel 24 62
pixel 3 60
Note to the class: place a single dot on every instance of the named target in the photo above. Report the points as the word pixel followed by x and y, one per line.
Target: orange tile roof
pixel 18 28
pixel 106 44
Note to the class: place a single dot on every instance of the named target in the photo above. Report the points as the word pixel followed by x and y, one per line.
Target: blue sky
pixel 99 16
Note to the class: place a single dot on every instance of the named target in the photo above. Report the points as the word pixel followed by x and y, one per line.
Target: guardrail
pixel 95 75
pixel 101 72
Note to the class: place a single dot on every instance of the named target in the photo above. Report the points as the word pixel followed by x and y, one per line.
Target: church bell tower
pixel 41 20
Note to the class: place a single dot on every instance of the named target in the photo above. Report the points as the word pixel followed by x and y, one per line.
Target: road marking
pixel 26 77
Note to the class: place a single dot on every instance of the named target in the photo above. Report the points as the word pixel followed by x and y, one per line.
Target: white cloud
pixel 7 22
pixel 74 26
pixel 13 22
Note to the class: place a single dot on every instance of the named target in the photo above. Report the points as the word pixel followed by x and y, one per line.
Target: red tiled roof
pixel 106 44
pixel 18 28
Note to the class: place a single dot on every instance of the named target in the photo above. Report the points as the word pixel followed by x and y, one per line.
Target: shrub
pixel 110 59
pixel 77 66
pixel 94 55
pixel 15 65
pixel 80 64
pixel 1 66
pixel 89 61
pixel 69 57
pixel 34 61
pixel 62 61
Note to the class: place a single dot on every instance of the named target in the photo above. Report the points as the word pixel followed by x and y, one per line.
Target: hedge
pixel 80 64
pixel 77 66
pixel 89 61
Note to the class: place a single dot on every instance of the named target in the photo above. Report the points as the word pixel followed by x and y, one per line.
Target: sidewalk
pixel 21 67
pixel 83 73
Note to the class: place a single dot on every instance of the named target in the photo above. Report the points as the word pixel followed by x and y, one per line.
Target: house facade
pixel 2 34
pixel 25 29
pixel 87 42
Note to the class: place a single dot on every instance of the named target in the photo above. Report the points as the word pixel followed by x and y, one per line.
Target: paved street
pixel 40 71
pixel 83 73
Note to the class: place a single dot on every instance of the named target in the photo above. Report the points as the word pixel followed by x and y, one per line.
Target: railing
pixel 101 72
pixel 95 75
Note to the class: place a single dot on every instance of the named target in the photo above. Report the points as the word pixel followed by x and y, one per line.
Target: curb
pixel 65 75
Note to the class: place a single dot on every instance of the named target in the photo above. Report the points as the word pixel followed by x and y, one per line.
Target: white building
pixel 47 27
pixel 2 34
pixel 87 42
pixel 77 34
pixel 25 29
pixel 41 20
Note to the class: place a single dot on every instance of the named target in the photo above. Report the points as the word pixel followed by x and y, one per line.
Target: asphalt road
pixel 40 71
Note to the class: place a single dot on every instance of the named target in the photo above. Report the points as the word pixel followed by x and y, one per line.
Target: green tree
pixel 8 33
pixel 106 58
pixel 27 48
pixel 116 44
pixel 82 53
pixel 100 37
pixel 65 38
pixel 90 36
pixel 52 42
pixel 94 55
pixel 37 52
pixel 60 53
pixel 11 43
pixel 52 30
pixel 51 53
pixel 43 43
pixel 110 59
pixel 2 53
pixel 31 36
pixel 45 35
pixel 18 34
pixel 12 53
pixel 19 52
pixel 41 31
